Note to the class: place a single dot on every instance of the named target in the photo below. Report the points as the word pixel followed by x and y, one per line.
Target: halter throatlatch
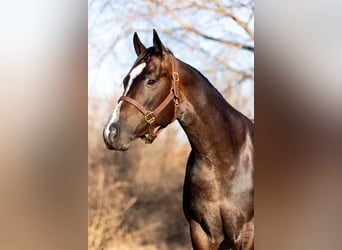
pixel 150 116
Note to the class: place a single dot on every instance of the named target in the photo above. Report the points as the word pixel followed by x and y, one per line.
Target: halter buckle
pixel 176 101
pixel 150 117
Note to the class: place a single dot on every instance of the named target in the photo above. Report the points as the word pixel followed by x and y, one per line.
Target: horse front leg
pixel 199 239
pixel 246 237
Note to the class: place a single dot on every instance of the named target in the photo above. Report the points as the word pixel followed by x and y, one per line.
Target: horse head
pixel 149 100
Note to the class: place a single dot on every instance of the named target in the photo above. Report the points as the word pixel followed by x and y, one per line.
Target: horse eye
pixel 151 82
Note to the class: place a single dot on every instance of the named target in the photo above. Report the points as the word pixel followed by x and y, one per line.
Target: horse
pixel 218 188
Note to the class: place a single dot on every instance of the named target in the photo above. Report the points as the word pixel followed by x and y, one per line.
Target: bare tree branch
pixel 188 25
pixel 223 10
pixel 197 32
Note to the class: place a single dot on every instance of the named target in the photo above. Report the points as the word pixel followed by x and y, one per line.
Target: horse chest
pixel 208 200
pixel 204 182
pixel 201 181
pixel 201 191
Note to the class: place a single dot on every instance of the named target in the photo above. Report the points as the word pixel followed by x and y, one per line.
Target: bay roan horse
pixel 218 187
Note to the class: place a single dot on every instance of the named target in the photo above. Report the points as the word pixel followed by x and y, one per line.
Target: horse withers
pixel 218 186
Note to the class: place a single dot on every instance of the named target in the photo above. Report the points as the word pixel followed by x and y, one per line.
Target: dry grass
pixel 135 197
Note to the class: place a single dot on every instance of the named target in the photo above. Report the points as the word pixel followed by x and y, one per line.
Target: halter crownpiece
pixel 150 116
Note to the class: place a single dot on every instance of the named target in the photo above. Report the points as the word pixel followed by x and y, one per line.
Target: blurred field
pixel 135 197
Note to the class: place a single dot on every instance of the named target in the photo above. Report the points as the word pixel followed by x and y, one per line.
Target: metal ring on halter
pixel 175 76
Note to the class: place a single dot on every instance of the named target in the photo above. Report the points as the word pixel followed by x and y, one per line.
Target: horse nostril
pixel 113 131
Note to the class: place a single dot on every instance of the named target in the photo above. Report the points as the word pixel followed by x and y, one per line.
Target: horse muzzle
pixel 111 137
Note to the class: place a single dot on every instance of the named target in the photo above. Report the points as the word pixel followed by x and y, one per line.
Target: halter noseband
pixel 150 116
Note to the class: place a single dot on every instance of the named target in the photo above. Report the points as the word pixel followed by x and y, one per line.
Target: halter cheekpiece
pixel 150 116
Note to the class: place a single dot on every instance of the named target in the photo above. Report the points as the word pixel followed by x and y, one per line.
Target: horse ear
pixel 138 45
pixel 157 44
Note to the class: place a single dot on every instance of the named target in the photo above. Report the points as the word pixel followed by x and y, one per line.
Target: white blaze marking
pixel 114 117
pixel 136 71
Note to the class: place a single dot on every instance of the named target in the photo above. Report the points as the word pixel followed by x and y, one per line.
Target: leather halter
pixel 151 116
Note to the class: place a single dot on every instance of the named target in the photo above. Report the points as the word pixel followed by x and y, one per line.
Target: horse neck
pixel 214 128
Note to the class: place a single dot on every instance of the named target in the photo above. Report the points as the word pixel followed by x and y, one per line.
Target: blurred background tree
pixel 135 197
pixel 216 37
